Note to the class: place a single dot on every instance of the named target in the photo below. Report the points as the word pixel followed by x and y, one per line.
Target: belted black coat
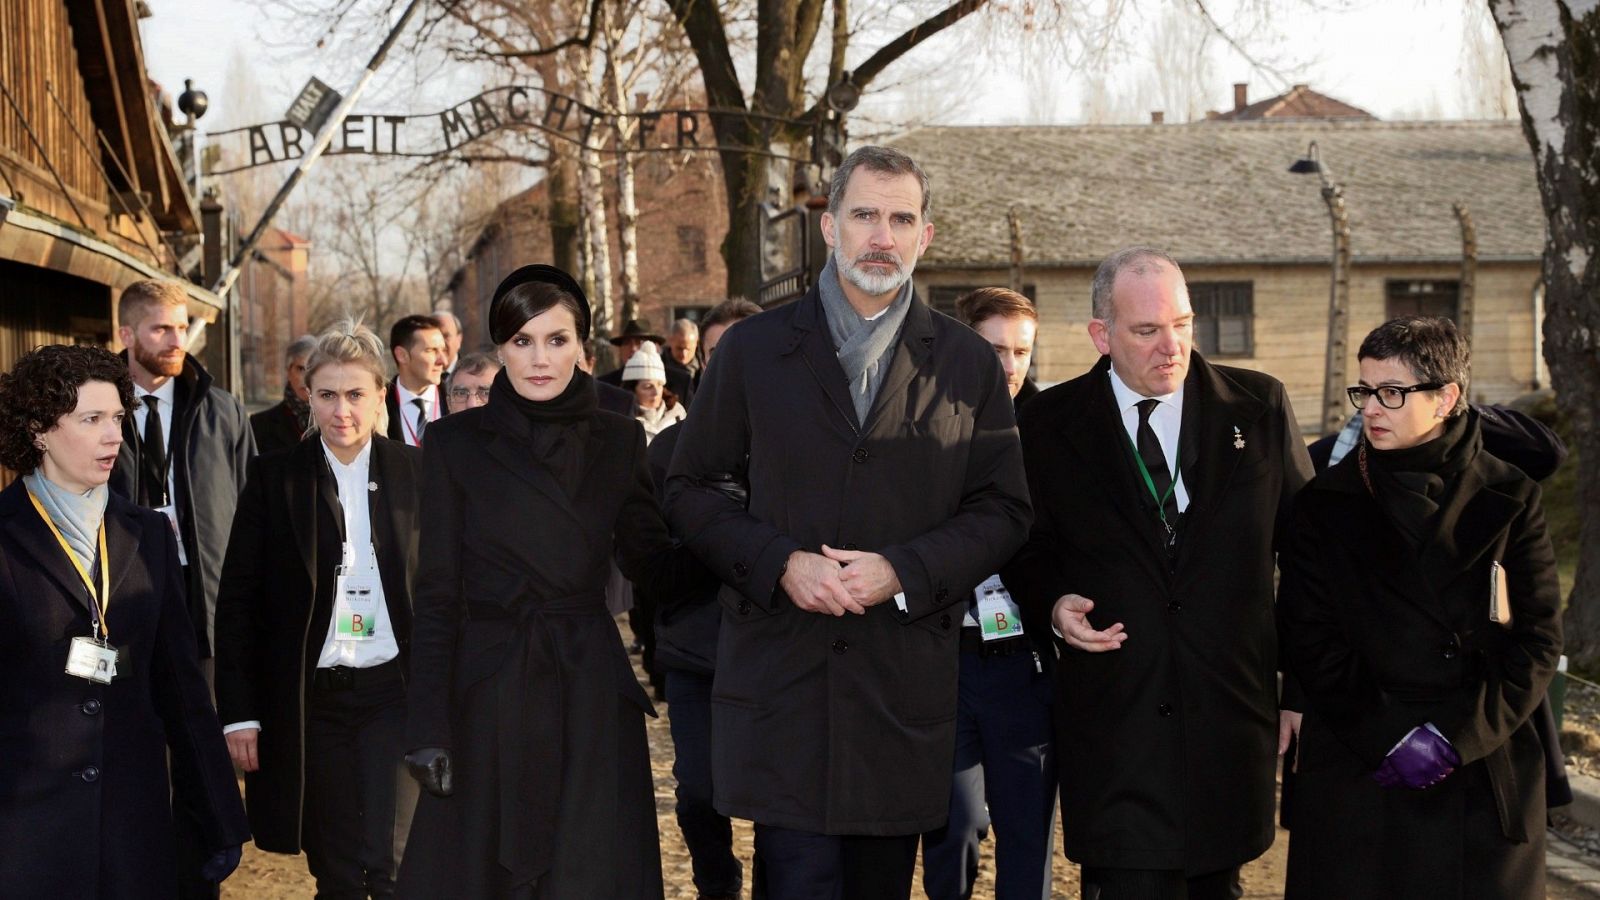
pixel 277 597
pixel 1383 639
pixel 85 806
pixel 845 725
pixel 519 671
pixel 1168 745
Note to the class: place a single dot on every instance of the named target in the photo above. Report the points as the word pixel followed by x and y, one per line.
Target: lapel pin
pixel 1238 439
pixel 373 485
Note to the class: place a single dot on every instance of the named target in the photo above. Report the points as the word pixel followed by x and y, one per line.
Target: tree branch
pixel 906 42
pixel 709 39
pixel 587 40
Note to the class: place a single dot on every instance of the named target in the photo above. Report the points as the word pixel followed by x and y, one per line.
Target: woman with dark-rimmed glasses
pixel 1419 611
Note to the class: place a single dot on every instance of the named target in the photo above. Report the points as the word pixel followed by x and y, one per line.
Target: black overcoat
pixel 519 671
pixel 276 428
pixel 845 725
pixel 1383 639
pixel 277 597
pixel 1169 744
pixel 85 807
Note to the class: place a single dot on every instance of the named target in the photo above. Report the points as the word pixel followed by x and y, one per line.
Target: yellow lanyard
pixel 101 597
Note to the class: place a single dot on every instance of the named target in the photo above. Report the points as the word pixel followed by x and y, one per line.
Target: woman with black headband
pixel 526 724
pixel 1420 613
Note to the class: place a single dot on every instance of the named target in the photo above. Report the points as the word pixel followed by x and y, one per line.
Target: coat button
pixel 90 707
pixel 840 646
pixel 741 570
pixel 90 775
pixel 1174 606
pixel 1449 651
pixel 860 455
pixel 1164 710
pixel 744 607
pixel 944 621
pixel 940 594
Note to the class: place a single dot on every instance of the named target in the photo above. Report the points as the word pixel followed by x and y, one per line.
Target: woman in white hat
pixel 646 375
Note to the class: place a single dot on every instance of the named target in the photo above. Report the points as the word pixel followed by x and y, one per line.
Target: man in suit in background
pixel 414 398
pixel 450 327
pixel 281 426
pixel 1160 485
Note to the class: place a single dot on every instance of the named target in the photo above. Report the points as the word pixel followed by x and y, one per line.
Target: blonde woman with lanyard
pixel 99 679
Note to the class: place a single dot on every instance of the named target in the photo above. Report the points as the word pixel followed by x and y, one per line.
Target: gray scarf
pixel 864 348
pixel 78 516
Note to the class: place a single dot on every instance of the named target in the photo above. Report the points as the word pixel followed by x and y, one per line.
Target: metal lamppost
pixel 1333 411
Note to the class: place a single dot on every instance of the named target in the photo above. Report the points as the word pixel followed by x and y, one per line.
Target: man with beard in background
pixel 184 453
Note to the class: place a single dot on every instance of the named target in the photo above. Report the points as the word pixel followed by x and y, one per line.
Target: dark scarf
pixel 1411 485
pixel 300 409
pixel 554 431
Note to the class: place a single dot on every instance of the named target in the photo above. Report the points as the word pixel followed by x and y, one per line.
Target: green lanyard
pixel 1150 483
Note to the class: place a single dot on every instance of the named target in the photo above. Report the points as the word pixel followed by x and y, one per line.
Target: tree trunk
pixel 1554 48
pixel 561 195
pixel 592 197
pixel 622 130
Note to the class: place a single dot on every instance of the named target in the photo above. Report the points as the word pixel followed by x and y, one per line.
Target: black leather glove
pixel 430 766
pixel 222 864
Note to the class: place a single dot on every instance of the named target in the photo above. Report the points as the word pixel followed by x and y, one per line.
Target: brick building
pixel 274 309
pixel 681 226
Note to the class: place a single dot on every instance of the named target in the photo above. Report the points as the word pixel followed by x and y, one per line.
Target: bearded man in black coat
pixel 1160 485
pixel 885 482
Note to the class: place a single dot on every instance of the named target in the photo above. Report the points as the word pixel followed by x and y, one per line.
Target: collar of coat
pixel 809 335
pixel 22 522
pixel 1476 512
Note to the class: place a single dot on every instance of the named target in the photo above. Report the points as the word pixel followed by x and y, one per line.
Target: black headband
pixel 543 274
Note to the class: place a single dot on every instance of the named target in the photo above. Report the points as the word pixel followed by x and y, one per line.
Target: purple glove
pixel 1421 760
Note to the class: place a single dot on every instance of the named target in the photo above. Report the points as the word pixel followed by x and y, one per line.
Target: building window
pixel 1224 317
pixel 692 313
pixel 943 297
pixel 692 247
pixel 1421 298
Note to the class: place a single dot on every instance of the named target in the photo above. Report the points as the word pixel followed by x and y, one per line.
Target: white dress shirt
pixel 352 483
pixel 1166 420
pixel 353 491
pixel 409 412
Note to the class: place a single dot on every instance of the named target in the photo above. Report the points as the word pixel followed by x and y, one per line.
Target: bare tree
pixel 1551 45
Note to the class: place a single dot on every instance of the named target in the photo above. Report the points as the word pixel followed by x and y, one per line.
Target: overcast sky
pixel 1396 58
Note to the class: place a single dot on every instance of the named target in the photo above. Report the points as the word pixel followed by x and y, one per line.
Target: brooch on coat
pixel 1238 439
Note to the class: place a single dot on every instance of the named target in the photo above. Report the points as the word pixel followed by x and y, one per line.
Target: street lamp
pixel 1333 376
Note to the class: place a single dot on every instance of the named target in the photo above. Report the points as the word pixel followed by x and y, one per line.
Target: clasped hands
pixel 838 581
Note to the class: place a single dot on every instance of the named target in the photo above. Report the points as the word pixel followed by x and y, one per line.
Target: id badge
pixel 93 660
pixel 355 606
pixel 998 614
pixel 171 512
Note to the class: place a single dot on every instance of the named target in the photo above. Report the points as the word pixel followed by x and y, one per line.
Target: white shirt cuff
pixel 900 601
pixel 241 726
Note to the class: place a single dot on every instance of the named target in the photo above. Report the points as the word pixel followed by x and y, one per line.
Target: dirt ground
pixel 271 876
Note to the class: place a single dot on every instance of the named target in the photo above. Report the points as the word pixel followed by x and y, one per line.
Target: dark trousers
pixel 1005 774
pixel 189 840
pixel 802 865
pixel 355 736
pixel 1160 884
pixel 708 833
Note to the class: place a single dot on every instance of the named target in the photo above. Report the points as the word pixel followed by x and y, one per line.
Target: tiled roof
pixel 1222 192
pixel 1299 102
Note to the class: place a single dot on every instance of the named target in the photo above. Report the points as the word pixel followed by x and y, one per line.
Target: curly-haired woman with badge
pixel 99 678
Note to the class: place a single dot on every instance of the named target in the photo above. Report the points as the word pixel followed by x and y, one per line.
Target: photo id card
pixel 998 614
pixel 355 607
pixel 93 660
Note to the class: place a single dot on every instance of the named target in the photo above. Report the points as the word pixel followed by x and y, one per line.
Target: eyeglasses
pixel 1389 396
pixel 463 393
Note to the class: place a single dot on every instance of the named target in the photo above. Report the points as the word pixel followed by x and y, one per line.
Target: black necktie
pixel 153 474
pixel 1155 462
pixel 422 417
